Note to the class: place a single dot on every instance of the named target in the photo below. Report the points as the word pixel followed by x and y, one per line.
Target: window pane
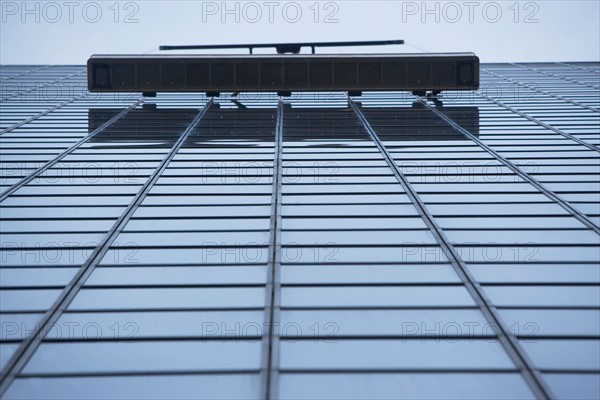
pixel 392 355
pixel 403 386
pixel 153 324
pixel 205 298
pixel 370 296
pixel 347 274
pixel 534 296
pixel 27 300
pixel 523 273
pixel 575 386
pixel 329 324
pixel 553 322
pixel 144 357
pixel 148 276
pixel 6 352
pixel 564 354
pixel 200 387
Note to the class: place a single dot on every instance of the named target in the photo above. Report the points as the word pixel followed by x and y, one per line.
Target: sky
pixel 68 32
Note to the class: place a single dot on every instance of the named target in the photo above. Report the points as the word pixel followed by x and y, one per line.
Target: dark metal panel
pixel 435 72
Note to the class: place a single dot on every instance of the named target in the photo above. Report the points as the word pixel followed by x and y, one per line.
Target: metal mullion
pixel 556 96
pixel 31 343
pixel 521 360
pixel 398 370
pixel 270 340
pixel 170 372
pixel 48 111
pixel 59 157
pixel 377 307
pixel 584 219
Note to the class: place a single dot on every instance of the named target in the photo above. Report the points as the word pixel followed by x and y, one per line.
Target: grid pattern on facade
pixel 318 246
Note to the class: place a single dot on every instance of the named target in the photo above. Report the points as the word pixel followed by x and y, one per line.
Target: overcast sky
pixel 68 32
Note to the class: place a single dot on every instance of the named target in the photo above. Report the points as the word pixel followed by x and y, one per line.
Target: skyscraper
pixel 317 246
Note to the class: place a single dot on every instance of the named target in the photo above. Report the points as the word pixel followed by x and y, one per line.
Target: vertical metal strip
pixel 68 151
pixel 531 375
pixel 270 340
pixel 28 347
pixel 584 219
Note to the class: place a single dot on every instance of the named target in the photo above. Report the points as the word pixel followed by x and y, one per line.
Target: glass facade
pixel 318 246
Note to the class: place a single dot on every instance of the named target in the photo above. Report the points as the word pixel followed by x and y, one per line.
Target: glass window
pixel 77 190
pixel 61 212
pixel 196 256
pixel 16 277
pixel 496 209
pixel 199 211
pixel 55 240
pixel 345 199
pixel 63 225
pixel 542 273
pixel 375 296
pixel 192 200
pixel 175 298
pixel 350 222
pixel 357 237
pixel 27 300
pixel 172 275
pixel 198 224
pixel 200 387
pixel 331 324
pixel 508 222
pixel 6 352
pixel 350 210
pixel 392 355
pixel 564 354
pixel 340 188
pixel 18 326
pixel 387 386
pixel 331 253
pixel 529 323
pixel 68 201
pixel 217 180
pixel 211 189
pixel 216 324
pixel 527 252
pixel 524 236
pixel 540 296
pixel 574 386
pixel 194 238
pixel 168 356
pixel 473 187
pixel 364 274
